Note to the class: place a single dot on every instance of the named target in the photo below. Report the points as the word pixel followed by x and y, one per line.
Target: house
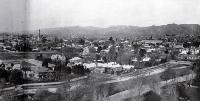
pixel 188 57
pixel 150 50
pixel 151 41
pixel 58 57
pixel 90 65
pixel 146 59
pixel 85 51
pixel 76 60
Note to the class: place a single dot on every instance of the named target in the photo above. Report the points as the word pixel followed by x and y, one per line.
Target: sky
pixel 36 14
pixel 13 15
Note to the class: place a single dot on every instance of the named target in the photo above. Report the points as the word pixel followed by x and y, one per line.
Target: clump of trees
pixel 24 45
pixel 81 41
pixel 15 77
pixel 151 96
pixel 79 69
pixel 112 54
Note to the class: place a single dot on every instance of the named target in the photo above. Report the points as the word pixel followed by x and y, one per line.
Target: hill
pixel 122 31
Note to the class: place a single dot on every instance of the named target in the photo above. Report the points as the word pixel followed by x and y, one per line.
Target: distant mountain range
pixel 122 31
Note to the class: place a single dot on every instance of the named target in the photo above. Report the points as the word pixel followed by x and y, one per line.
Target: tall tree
pixel 136 47
pixel 112 54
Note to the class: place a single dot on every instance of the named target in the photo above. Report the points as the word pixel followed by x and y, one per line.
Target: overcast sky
pixel 100 13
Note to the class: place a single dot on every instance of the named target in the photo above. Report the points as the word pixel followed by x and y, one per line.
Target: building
pixel 152 42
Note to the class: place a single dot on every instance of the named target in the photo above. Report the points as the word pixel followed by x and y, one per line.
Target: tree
pixel 112 54
pixel 24 45
pixel 81 41
pixel 58 67
pixel 151 96
pixel 136 48
pixel 44 39
pixel 174 55
pixel 152 61
pixel 166 51
pixel 142 52
pixel 16 77
pixel 195 44
pixel 196 66
pixel 186 45
pixel 125 58
pixel 56 40
pixel 99 49
pixel 67 70
pixel 196 69
pixel 163 60
pixel 111 40
pixel 80 70
pixel 23 97
pixel 39 57
pixel 2 65
pixel 105 59
pixel 98 57
pixel 87 71
pixel 46 61
pixel 25 69
pixel 4 75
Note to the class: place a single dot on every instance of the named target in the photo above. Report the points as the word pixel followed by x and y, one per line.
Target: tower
pixel 39 35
